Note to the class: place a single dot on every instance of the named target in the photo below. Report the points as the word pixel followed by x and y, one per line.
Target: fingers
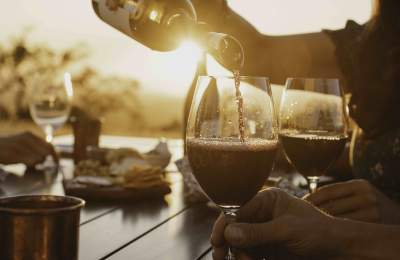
pixel 349 204
pixel 52 152
pixel 250 235
pixel 27 156
pixel 36 146
pixel 24 155
pixel 219 253
pixel 243 256
pixel 354 199
pixel 367 215
pixel 262 207
pixel 32 144
pixel 336 191
pixel 43 147
pixel 259 209
pixel 26 148
pixel 8 152
pixel 328 193
pixel 252 208
pixel 217 235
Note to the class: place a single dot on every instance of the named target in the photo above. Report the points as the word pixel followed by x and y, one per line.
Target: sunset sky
pixel 62 23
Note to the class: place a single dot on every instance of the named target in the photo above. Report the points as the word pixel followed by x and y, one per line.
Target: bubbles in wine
pixel 312 153
pixel 229 171
pixel 239 100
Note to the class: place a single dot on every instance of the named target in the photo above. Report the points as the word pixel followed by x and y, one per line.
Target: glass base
pixel 313 183
pixel 230 216
pixel 48 130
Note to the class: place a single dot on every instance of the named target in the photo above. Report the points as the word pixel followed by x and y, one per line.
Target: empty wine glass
pixel 231 139
pixel 50 104
pixel 312 125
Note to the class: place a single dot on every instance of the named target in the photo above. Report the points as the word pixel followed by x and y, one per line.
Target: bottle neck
pixel 224 48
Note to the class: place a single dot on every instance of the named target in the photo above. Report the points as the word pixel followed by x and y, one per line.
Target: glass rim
pixel 232 77
pixel 305 78
pixel 67 203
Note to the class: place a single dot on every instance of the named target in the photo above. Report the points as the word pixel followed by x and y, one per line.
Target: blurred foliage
pixel 21 64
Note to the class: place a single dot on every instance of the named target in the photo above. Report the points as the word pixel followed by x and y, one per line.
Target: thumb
pixel 250 235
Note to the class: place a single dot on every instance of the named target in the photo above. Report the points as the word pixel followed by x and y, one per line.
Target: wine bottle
pixel 162 25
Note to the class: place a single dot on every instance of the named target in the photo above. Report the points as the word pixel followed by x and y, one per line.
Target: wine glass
pixel 50 104
pixel 312 125
pixel 231 168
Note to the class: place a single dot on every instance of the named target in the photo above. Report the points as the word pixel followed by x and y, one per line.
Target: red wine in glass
pixel 231 172
pixel 312 154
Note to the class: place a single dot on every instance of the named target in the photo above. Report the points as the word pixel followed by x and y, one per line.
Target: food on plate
pixel 124 167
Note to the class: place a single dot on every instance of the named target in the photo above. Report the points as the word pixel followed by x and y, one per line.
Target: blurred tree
pixel 21 65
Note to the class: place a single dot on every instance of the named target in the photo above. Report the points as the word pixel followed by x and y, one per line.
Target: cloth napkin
pixel 193 191
pixel 3 175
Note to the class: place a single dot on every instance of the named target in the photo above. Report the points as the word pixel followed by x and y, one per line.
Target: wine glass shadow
pixel 148 209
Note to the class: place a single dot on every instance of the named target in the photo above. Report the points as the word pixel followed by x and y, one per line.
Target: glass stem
pixel 48 130
pixel 313 183
pixel 230 215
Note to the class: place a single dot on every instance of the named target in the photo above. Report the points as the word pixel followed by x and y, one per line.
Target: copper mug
pixel 39 227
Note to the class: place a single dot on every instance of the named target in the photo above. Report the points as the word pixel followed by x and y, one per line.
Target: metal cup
pixel 39 227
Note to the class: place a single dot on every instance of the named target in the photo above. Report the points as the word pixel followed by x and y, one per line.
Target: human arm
pixel 303 55
pixel 358 200
pixel 24 148
pixel 275 218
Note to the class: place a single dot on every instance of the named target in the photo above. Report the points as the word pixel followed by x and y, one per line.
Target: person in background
pixel 367 60
pixel 24 148
pixel 294 229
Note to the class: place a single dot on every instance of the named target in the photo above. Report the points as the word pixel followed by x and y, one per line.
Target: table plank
pixel 91 210
pixel 208 256
pixel 183 237
pixel 106 234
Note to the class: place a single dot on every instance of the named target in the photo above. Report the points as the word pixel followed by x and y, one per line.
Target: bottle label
pixel 119 15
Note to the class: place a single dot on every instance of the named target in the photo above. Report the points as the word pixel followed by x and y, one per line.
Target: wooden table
pixel 159 229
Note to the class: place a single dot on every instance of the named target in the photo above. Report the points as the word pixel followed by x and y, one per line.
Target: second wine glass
pixel 50 104
pixel 312 125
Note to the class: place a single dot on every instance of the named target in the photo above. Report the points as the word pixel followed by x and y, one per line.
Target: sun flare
pixel 189 52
